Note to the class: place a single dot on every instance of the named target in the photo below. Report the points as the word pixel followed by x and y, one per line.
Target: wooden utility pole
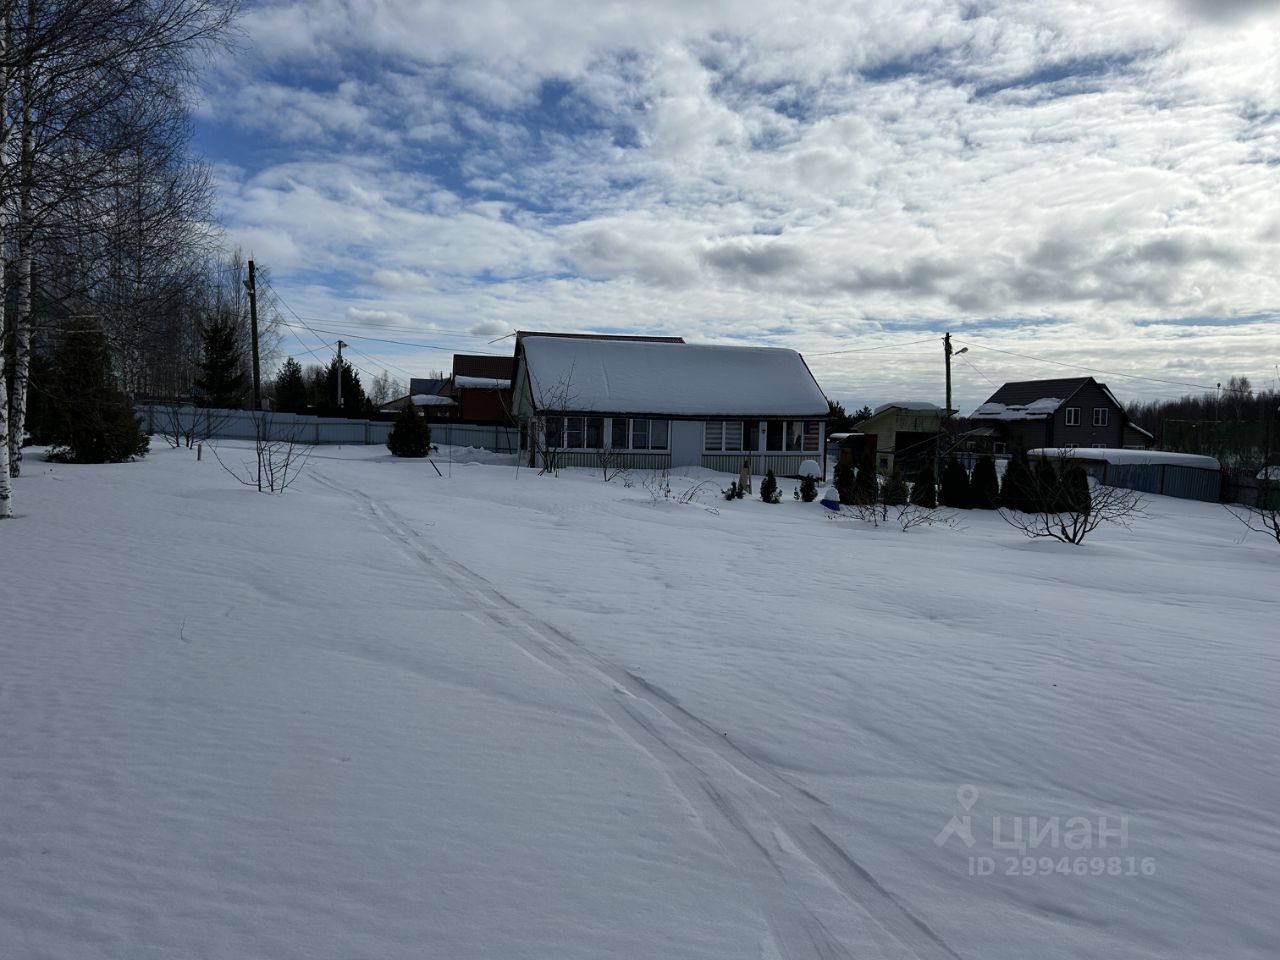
pixel 252 286
pixel 946 352
pixel 340 346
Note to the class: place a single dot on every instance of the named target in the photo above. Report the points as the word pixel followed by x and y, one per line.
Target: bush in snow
pixel 984 484
pixel 895 492
pixel 808 489
pixel 734 492
pixel 955 485
pixel 1075 515
pixel 866 485
pixel 924 491
pixel 769 492
pixel 411 434
pixel 90 418
pixel 1048 492
pixel 1017 492
pixel 843 482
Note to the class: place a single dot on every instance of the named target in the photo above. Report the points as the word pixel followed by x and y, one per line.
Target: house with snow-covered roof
pixel 650 403
pixel 1071 412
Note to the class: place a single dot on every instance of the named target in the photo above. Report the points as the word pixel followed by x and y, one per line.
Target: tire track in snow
pixel 766 824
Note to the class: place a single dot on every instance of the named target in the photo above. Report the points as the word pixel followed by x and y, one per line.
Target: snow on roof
pixel 1035 410
pixel 677 379
pixel 906 405
pixel 432 400
pixel 1117 455
pixel 481 383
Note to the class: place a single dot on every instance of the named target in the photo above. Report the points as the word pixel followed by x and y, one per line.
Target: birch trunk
pixel 22 311
pixel 6 484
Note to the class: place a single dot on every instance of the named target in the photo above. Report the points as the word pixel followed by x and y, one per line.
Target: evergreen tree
pixel 954 491
pixel 769 492
pixel 924 492
pixel 866 485
pixel 90 419
pixel 859 415
pixel 411 434
pixel 984 484
pixel 221 380
pixel 895 491
pixel 843 482
pixel 1075 490
pixel 354 403
pixel 808 489
pixel 1017 491
pixel 1048 494
pixel 291 388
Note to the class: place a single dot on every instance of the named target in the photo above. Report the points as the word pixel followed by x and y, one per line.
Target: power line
pixel 977 371
pixel 883 346
pixel 1076 366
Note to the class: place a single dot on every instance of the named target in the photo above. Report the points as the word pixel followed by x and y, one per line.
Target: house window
pixel 733 435
pixel 554 432
pixel 812 430
pixel 1098 446
pixel 1071 446
pixel 595 433
pixel 1100 416
pixel 1073 416
pixel 773 435
pixel 723 435
pixel 998 447
pixel 618 431
pixel 573 432
pixel 645 434
pixel 795 434
pixel 714 434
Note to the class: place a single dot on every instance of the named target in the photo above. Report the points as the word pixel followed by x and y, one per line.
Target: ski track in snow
pixel 769 826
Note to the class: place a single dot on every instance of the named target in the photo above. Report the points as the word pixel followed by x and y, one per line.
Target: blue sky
pixel 1088 183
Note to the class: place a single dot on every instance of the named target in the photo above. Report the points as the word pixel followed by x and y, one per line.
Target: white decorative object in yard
pixel 810 468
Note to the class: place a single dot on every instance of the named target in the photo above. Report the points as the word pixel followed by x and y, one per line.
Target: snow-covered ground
pixel 390 714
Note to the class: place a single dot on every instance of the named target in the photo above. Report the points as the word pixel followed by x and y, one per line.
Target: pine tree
pixel 895 492
pixel 808 489
pixel 354 402
pixel 844 482
pixel 1017 491
pixel 866 485
pixel 955 485
pixel 221 381
pixel 769 492
pixel 984 484
pixel 1047 494
pixel 291 388
pixel 411 434
pixel 1075 488
pixel 924 492
pixel 90 419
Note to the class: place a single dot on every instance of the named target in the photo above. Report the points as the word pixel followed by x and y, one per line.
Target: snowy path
pixel 771 828
pixel 397 715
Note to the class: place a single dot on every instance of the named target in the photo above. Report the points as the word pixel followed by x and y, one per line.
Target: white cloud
pixel 816 174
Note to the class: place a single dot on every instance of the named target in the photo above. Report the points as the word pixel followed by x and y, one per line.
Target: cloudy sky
pixel 1088 183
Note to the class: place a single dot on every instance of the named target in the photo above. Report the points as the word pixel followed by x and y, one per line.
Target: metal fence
pixel 204 423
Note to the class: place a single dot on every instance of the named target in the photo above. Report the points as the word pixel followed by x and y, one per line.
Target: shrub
pixel 895 492
pixel 924 492
pixel 866 485
pixel 411 434
pixel 843 482
pixel 1017 492
pixel 984 484
pixel 733 493
pixel 808 489
pixel 1075 490
pixel 1048 493
pixel 955 485
pixel 769 492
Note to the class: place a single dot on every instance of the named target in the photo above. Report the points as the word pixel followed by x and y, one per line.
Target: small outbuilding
pixel 1186 475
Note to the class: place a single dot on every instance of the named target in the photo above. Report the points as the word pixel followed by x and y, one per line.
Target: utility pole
pixel 947 353
pixel 252 286
pixel 340 346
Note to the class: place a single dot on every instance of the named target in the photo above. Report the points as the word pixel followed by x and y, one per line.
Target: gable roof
pixel 484 366
pixel 1035 399
pixel 669 378
pixel 428 385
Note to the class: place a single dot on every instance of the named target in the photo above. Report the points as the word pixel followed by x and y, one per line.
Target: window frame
pixel 1072 415
pixel 1104 420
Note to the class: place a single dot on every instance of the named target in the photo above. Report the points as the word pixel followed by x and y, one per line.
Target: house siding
pixel 1087 398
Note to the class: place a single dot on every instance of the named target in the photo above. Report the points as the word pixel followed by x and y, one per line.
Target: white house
pixel 654 403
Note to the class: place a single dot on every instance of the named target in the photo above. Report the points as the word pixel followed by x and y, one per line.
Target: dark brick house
pixel 1075 412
